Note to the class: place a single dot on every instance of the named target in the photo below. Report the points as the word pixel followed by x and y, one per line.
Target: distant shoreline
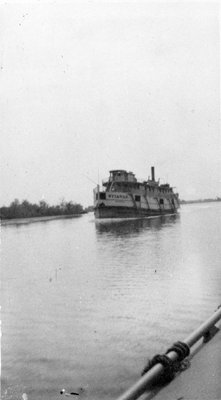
pixel 29 220
pixel 200 201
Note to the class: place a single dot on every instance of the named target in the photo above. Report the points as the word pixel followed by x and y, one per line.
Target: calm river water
pixel 86 303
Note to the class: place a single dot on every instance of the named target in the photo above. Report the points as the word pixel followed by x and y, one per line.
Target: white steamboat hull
pixel 123 205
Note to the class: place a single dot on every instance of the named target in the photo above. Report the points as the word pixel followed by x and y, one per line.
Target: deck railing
pixel 146 380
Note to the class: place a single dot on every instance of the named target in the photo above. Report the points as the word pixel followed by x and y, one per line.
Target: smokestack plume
pixel 152 174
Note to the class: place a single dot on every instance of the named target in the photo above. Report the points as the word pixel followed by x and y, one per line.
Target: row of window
pixel 137 198
pixel 127 186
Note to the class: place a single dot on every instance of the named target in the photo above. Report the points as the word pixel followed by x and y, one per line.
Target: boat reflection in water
pixel 130 227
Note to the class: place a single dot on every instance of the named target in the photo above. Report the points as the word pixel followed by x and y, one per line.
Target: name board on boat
pixel 117 196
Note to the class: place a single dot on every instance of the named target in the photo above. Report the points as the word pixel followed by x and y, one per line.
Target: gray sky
pixel 89 86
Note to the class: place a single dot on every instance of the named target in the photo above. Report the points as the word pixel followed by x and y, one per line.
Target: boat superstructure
pixel 123 196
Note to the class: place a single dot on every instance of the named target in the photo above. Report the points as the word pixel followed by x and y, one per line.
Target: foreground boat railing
pixel 141 386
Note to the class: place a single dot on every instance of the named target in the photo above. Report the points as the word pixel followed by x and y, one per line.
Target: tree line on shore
pixel 25 209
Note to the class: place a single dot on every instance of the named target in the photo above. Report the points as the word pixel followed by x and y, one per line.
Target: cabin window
pixel 103 196
pixel 173 201
pixel 137 198
pixel 161 201
pixel 96 196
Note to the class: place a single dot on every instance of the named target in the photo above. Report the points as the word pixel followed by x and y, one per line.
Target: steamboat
pixel 123 196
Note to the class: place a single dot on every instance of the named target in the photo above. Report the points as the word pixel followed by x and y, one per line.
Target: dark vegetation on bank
pixel 25 209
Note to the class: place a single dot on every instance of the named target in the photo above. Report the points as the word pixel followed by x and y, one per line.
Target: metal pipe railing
pixel 146 380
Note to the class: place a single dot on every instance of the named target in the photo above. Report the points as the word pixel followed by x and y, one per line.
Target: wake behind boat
pixel 123 196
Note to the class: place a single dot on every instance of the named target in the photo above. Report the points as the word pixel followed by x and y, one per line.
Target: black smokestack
pixel 152 174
